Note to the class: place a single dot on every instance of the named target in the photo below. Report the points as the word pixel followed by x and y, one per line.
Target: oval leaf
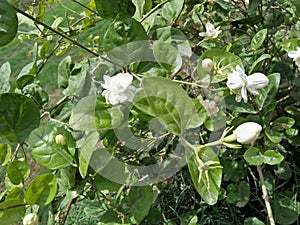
pixel 47 152
pixel 253 156
pixel 13 214
pixel 19 115
pixel 272 158
pixel 18 171
pixel 41 190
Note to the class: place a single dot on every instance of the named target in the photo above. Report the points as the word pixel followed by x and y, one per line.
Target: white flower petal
pixel 248 132
pixel 257 80
pixel 244 94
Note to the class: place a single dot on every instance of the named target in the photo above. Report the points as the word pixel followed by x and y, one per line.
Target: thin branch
pixel 265 196
pixel 67 212
pixel 12 207
pixel 64 36
pixel 82 5
pixel 153 10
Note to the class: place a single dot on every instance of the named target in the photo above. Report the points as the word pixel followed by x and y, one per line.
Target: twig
pixel 12 207
pixel 65 36
pixel 82 5
pixel 67 212
pixel 153 10
pixel 265 196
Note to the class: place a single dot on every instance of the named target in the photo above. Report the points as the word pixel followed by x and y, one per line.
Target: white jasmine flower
pixel 60 139
pixel 247 133
pixel 295 55
pixel 207 64
pixel 31 219
pixel 210 107
pixel 118 88
pixel 239 82
pixel 211 31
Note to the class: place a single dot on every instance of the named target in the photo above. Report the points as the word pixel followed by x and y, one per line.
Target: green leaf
pixel 283 123
pixel 47 152
pixel 283 171
pixel 125 41
pixel 222 59
pixel 167 56
pixel 5 153
pixel 290 44
pixel 86 152
pixel 258 39
pixel 19 115
pixel 206 173
pixel 14 214
pixel 272 157
pixel 8 23
pixel 93 113
pixel 109 9
pixel 164 99
pixel 41 190
pixel 253 221
pixel 284 210
pixel 239 107
pixel 171 10
pixel 265 99
pixel 102 184
pixel 274 136
pixel 64 72
pixel 175 37
pixel 216 122
pixel 140 200
pixel 5 72
pixel 139 5
pixel 258 62
pixel 253 156
pixel 18 171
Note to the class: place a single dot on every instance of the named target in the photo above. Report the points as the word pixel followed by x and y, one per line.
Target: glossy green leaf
pixel 19 115
pixel 283 170
pixel 103 183
pixel 206 173
pixel 41 190
pixel 47 152
pixel 257 63
pixel 167 56
pixel 140 200
pixel 171 10
pixel 18 171
pixel 283 123
pixel 5 153
pixel 272 157
pixel 258 39
pixel 273 136
pixel 86 151
pixel 8 23
pixel 93 113
pixel 265 99
pixel 222 59
pixel 253 156
pixel 12 215
pixel 5 72
pixel 125 41
pixel 167 101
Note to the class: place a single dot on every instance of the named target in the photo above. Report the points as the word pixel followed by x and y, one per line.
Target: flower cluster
pixel 240 83
pixel 118 88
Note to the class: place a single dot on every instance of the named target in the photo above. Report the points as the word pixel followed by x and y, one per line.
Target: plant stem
pixel 12 207
pixel 64 36
pixel 67 212
pixel 153 10
pixel 265 196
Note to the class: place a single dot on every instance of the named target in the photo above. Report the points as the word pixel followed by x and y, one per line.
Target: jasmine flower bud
pixel 207 64
pixel 31 219
pixel 247 133
pixel 60 139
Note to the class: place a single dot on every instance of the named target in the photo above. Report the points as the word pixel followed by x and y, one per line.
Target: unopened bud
pixel 60 139
pixel 207 64
pixel 31 219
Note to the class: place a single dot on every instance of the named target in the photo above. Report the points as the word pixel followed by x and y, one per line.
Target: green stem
pixel 153 10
